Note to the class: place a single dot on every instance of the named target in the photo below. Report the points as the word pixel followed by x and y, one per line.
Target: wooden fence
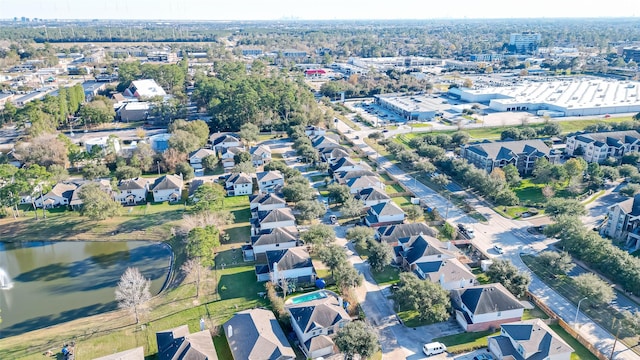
pixel 571 331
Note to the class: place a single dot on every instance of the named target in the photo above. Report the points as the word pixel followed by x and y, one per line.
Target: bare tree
pixel 204 218
pixel 133 292
pixel 192 269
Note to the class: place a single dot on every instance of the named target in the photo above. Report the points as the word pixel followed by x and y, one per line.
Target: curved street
pixel 511 235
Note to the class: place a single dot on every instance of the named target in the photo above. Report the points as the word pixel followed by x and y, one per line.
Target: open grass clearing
pixel 389 275
pixel 316 178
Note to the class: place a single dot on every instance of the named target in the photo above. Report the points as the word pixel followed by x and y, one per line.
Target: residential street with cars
pixel 509 235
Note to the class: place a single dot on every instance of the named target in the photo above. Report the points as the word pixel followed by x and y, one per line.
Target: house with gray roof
pixel 384 214
pixel 196 157
pixel 60 194
pixel 482 307
pixel 293 265
pixel 179 344
pixel 347 164
pixel 131 354
pixel 256 335
pixel 522 154
pixel 239 184
pixel 623 222
pixel 372 196
pixel 421 248
pixel 331 155
pixel 260 155
pixel 364 182
pixel 227 156
pixel 266 220
pixel 271 239
pixel 392 233
pixel 265 202
pixel 343 176
pixel 270 181
pixel 222 141
pixel 597 147
pixel 529 340
pixel 324 142
pixel 449 273
pixel 168 188
pixel 316 322
pixel 76 200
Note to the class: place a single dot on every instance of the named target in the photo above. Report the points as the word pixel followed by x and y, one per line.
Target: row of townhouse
pixel 592 147
pixel 243 184
pixel 129 191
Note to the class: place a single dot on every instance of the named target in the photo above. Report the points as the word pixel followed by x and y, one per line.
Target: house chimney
pixel 230 331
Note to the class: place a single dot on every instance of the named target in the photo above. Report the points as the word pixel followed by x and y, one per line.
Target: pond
pixel 47 283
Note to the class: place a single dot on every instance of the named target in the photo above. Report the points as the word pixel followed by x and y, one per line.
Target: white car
pixel 498 249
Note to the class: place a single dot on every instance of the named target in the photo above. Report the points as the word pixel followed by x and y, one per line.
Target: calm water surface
pixel 54 282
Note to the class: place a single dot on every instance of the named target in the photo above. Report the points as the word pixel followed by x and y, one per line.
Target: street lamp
pixel 578 310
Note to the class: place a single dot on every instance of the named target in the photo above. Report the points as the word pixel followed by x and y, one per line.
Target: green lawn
pixel 467 341
pixel 420 125
pixel 581 352
pixel 530 192
pixel 316 178
pixel 534 313
pixel 481 276
pixel 222 347
pixel 402 200
pixel 389 275
pixel 410 319
pixel 385 177
pixel 393 188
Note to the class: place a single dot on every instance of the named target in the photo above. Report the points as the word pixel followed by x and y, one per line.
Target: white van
pixel 434 348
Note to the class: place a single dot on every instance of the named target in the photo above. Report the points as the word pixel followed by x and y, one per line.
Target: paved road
pixel 511 235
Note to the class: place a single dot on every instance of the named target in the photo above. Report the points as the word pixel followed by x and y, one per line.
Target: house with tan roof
pixel 179 344
pixel 132 191
pixel 270 239
pixel 131 354
pixel 168 188
pixel 260 155
pixel 364 182
pixel 196 157
pixel 60 194
pixel 529 340
pixel 266 220
pixel 265 202
pixel 256 334
pixel 372 196
pixel 239 184
pixel 384 214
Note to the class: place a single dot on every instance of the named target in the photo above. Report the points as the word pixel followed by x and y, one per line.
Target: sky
pixel 313 10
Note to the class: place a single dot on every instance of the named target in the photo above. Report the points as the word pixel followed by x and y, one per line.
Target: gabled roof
pixel 486 299
pixel 535 337
pixel 240 178
pixel 323 140
pixel 448 270
pixel 343 176
pixel 232 150
pixel 372 194
pixel 269 175
pixel 105 185
pixel 335 152
pixel 131 354
pixel 287 259
pixel 423 245
pixel 507 150
pixel 147 88
pixel 318 342
pixel 133 184
pixel 276 215
pixel 217 139
pixel 168 182
pixel 259 150
pixel 385 209
pixel 392 233
pixel 64 190
pixel 178 344
pixel 363 182
pixel 610 138
pixel 320 313
pixel 275 236
pixel 342 162
pixel 266 199
pixel 256 335
pixel 202 153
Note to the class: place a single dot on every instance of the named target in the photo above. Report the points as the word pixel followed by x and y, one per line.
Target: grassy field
pixel 467 341
pixel 393 188
pixel 316 178
pixel 602 314
pixel 389 275
pixel 402 200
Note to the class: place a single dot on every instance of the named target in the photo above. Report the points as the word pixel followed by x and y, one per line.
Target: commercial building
pixel 413 107
pixel 631 53
pixel 571 97
pixel 524 42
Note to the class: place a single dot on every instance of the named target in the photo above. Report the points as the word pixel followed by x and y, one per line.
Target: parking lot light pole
pixel 575 321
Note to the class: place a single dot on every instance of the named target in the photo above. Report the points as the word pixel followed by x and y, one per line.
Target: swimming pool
pixel 309 297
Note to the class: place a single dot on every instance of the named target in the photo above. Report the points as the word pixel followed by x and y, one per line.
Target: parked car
pixel 498 249
pixel 434 348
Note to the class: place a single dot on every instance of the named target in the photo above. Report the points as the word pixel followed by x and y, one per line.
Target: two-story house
pixel 60 194
pixel 372 196
pixel 448 273
pixel 195 158
pixel 331 155
pixel 317 320
pixel 522 154
pixel 341 177
pixel 364 182
pixel 529 340
pixel 260 155
pixel 269 181
pixel 239 184
pixel 178 343
pixel 347 164
pixel 287 265
pixel 256 334
pixel 597 147
pixel 313 130
pixel 266 220
pixel 168 188
pixel 384 214
pixel 623 222
pixel 323 142
pixel 392 233
pixel 132 191
pixel 266 202
pixel 227 156
pixel 221 141
pixel 270 239
pixel 482 307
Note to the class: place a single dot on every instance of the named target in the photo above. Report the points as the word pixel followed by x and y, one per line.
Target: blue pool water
pixel 309 297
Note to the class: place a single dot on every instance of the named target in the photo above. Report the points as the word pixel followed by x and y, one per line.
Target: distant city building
pixel 487 57
pixel 252 52
pixel 525 42
pixel 623 223
pixel 631 53
pixel 291 53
